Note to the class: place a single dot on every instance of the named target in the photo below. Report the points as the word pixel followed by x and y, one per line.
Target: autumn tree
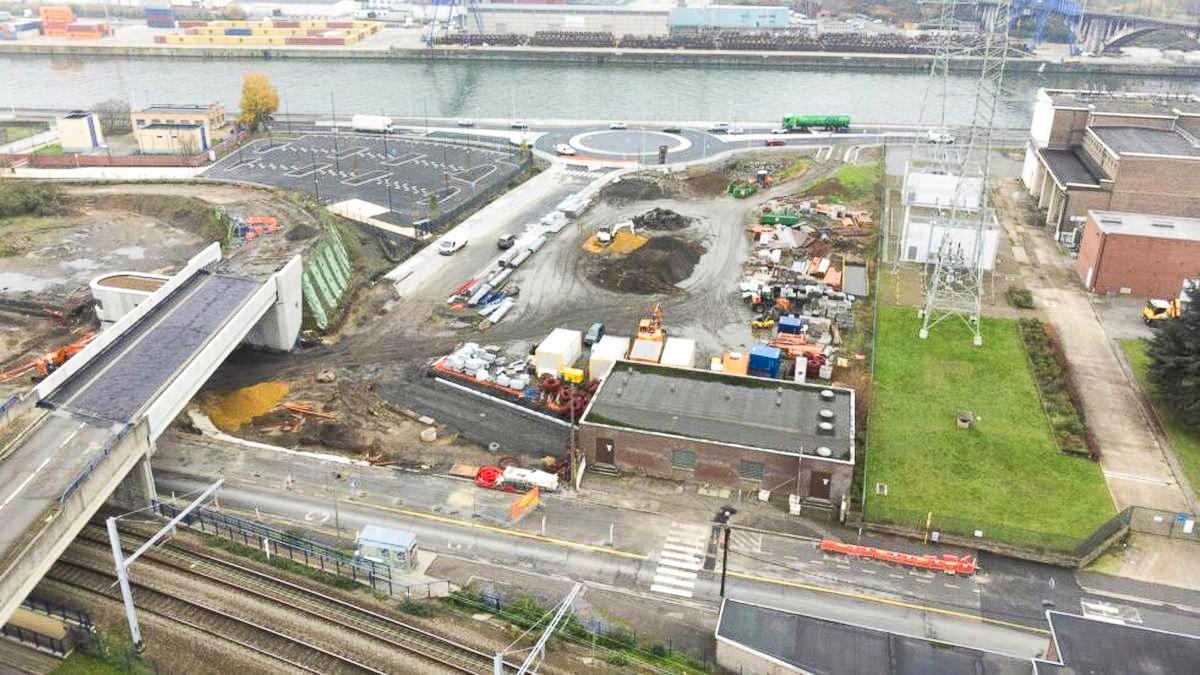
pixel 259 100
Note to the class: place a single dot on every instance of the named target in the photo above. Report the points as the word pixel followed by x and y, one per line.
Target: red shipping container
pixel 286 24
pixel 340 24
pixel 192 24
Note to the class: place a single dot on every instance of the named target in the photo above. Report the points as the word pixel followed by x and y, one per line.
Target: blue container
pixel 764 360
pixel 160 11
pixel 238 31
pixel 792 324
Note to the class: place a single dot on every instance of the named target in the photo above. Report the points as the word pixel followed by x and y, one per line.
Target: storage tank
pixel 561 349
pixel 605 355
pixel 679 352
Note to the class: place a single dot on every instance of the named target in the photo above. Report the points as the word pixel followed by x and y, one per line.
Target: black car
pixel 673 130
pixel 506 241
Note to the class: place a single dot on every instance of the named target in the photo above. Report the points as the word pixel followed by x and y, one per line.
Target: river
pixel 502 89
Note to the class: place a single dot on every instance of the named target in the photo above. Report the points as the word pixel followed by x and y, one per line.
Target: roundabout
pixel 624 143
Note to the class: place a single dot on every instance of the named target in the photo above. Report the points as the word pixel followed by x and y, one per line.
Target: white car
pixel 564 149
pixel 939 137
pixel 466 123
pixel 733 131
pixel 781 130
pixel 618 125
pixel 450 245
pixel 519 124
pixel 719 127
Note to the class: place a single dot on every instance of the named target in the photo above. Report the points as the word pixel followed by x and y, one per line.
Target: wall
pixel 1068 128
pixel 280 326
pixel 1150 267
pixel 734 658
pixel 171 140
pixel 926 238
pixel 1159 185
pixel 650 454
pixel 80 133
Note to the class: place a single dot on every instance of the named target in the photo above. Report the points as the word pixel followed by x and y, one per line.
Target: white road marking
pixel 674 581
pixel 670 591
pixel 671 571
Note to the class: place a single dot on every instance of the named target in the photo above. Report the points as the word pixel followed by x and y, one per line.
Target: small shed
pixel 387 546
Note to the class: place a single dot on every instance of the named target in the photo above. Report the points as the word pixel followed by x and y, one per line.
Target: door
pixel 604 451
pixel 818 485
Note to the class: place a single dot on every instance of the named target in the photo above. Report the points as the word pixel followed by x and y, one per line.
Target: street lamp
pixel 722 518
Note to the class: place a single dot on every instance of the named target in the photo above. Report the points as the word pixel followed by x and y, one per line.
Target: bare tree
pixel 114 116
pixel 188 145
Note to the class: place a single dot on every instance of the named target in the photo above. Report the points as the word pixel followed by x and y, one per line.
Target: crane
pixel 49 362
pixel 1042 10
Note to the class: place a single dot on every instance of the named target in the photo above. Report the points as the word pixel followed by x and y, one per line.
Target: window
pixel 683 459
pixel 750 470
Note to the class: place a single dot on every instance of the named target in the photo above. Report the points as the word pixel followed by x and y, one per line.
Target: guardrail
pixel 57 646
pixel 76 616
pixel 86 472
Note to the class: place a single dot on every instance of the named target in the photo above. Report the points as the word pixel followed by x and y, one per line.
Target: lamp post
pixel 722 518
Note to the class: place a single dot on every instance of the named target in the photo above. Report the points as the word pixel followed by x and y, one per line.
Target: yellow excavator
pixel 1160 310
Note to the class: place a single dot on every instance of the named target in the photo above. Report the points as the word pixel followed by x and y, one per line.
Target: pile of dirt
pixel 654 268
pixel 632 189
pixel 708 184
pixel 230 411
pixel 830 187
pixel 301 232
pixel 661 219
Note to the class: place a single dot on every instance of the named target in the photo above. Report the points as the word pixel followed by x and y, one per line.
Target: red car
pixel 775 142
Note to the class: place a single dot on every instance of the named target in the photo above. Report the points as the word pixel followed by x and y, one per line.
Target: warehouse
pixel 742 431
pixel 1139 254
pixel 172 139
pixel 526 19
pixel 758 640
pixel 728 17
pixel 1119 152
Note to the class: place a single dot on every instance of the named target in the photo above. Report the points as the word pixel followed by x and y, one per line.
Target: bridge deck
pixel 123 379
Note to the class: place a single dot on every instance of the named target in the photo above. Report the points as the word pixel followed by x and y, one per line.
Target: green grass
pixel 79 663
pixel 1005 475
pixel 52 149
pixel 18 132
pixel 858 181
pixel 1185 441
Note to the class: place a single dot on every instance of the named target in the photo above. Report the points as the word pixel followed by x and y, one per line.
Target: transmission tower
pixel 955 287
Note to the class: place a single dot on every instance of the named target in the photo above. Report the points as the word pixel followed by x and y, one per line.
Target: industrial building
pixel 929 204
pixel 1138 254
pixel 321 9
pixel 79 131
pixel 527 19
pixel 758 640
pixel 169 129
pixel 211 116
pixel 728 17
pixel 751 432
pixel 1080 644
pixel 1134 153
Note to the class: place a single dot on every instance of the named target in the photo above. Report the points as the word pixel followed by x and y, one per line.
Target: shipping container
pixel 605 355
pixel 734 363
pixel 561 349
pixel 679 352
pixel 792 324
pixel 238 31
pixel 764 360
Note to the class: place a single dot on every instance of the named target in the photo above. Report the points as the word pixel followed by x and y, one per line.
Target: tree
pixel 235 12
pixel 114 116
pixel 259 100
pixel 1175 364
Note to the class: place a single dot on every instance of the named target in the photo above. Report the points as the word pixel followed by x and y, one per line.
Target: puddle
pixel 15 282
pixel 131 252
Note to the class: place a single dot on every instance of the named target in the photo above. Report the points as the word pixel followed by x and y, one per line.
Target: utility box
pixel 561 349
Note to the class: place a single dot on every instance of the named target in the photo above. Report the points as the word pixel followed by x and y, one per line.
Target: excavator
pixel 1159 310
pixel 608 233
pixel 49 362
pixel 651 328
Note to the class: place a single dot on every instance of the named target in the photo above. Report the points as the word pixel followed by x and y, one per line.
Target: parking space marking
pixel 366 178
pixel 401 160
pixel 318 168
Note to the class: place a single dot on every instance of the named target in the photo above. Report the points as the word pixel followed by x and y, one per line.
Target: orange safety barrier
pixel 950 564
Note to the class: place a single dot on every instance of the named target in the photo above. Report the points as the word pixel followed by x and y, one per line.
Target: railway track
pixel 360 621
pixel 293 651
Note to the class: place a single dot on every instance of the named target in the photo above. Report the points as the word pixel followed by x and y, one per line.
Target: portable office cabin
pixel 561 349
pixel 395 548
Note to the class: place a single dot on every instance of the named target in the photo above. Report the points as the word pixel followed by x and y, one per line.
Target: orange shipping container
pixel 735 363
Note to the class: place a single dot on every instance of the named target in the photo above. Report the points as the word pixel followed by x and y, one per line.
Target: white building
pixel 318 9
pixel 529 19
pixel 928 199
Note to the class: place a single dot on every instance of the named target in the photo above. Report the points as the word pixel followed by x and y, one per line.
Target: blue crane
pixel 1042 10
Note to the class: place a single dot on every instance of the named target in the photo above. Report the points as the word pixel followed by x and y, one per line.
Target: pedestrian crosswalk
pixel 680 559
pixel 746 542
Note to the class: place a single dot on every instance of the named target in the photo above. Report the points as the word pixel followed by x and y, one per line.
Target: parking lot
pixel 397 172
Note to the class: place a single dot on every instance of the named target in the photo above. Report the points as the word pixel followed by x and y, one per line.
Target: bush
pixel 1058 400
pixel 416 607
pixel 20 198
pixel 283 564
pixel 1021 298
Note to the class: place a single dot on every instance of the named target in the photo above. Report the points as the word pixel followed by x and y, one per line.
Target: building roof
pixel 1129 103
pixel 809 644
pixel 386 536
pixel 176 108
pixel 940 190
pixel 76 114
pixel 572 9
pixel 1068 168
pixel 751 412
pixel 1146 225
pixel 1140 140
pixel 173 125
pixel 1086 645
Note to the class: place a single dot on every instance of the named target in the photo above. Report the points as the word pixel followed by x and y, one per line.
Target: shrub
pixel 20 198
pixel 1054 385
pixel 416 607
pixel 1021 298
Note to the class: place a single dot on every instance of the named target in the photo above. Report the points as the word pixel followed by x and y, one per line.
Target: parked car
pixel 466 123
pixel 519 124
pixel 781 130
pixel 732 131
pixel 775 142
pixel 564 149
pixel 618 125
pixel 451 245
pixel 939 137
pixel 672 130
pixel 719 128
pixel 506 241
pixel 593 334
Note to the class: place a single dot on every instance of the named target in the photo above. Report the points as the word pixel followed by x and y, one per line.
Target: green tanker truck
pixel 838 123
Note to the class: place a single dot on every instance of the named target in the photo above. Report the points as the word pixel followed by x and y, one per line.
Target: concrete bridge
pixel 89 428
pixel 1101 31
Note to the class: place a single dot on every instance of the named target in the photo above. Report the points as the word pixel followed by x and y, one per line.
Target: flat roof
pixel 757 413
pixel 1068 168
pixel 178 107
pixel 573 9
pixel 76 114
pixel 940 190
pixel 1126 140
pixel 809 644
pixel 1146 225
pixel 386 536
pixel 1086 645
pixel 1130 103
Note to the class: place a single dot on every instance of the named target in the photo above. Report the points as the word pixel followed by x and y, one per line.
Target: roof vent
pixel 826 415
pixel 1160 223
pixel 824 451
pixel 825 428
pixel 826 394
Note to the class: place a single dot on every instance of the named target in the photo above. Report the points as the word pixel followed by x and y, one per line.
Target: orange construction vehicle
pixel 49 362
pixel 652 328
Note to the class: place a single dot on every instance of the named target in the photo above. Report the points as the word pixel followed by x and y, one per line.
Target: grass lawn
pixel 1005 475
pixel 858 180
pixel 1184 440
pixel 52 149
pixel 20 131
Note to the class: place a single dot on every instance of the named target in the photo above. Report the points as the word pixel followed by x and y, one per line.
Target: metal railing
pixel 60 646
pixel 86 472
pixel 69 614
pixel 282 544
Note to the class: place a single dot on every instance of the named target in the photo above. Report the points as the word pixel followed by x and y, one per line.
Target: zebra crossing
pixel 680 559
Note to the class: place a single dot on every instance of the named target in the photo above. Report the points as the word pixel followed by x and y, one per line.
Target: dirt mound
pixel 301 232
pixel 186 213
pixel 632 190
pixel 661 219
pixel 708 184
pixel 654 268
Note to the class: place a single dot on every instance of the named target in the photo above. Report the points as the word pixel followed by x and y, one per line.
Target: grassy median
pixel 1005 476
pixel 1185 441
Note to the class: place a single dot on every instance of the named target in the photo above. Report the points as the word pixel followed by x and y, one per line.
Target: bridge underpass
pixel 92 423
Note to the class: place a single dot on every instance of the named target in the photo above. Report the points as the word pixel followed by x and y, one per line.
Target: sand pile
pixel 231 410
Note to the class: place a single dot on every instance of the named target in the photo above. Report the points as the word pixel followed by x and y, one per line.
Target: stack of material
pixel 88 30
pixel 55 19
pixel 160 17
pixel 20 29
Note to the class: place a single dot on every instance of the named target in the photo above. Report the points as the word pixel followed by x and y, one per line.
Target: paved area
pixel 400 172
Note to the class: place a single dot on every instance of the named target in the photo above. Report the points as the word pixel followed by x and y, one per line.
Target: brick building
pixel 747 432
pixel 1140 254
pixel 1135 153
